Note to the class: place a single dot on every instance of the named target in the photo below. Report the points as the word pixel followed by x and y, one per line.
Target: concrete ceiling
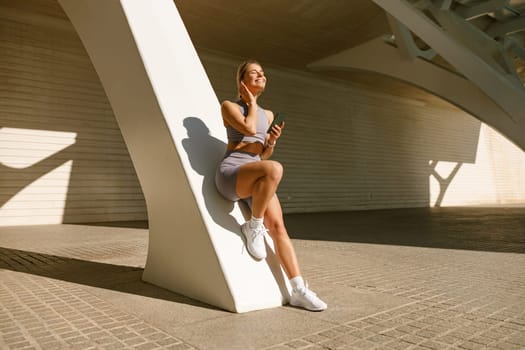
pixel 294 33
pixel 290 33
pixel 285 33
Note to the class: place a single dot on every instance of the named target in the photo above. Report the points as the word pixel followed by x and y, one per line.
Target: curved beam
pixel 169 117
pixel 490 80
pixel 459 91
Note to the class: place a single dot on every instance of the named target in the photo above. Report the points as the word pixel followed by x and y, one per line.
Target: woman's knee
pixel 274 170
pixel 276 228
pixel 274 222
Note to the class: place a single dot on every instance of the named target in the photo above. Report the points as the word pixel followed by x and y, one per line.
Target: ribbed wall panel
pixel 62 155
pixel 346 147
pixel 63 159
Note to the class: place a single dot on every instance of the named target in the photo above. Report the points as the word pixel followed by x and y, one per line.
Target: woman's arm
pixel 271 139
pixel 267 151
pixel 231 114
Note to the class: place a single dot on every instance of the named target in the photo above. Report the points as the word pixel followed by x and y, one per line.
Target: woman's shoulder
pixel 230 108
pixel 229 103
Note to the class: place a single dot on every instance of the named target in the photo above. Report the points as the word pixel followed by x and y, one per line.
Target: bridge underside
pixel 471 53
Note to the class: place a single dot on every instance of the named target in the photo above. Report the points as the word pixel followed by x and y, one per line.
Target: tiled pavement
pixel 399 279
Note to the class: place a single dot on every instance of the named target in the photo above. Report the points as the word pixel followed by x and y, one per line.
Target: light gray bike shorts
pixel 226 174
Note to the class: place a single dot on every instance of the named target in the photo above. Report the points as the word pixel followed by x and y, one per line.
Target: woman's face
pixel 254 78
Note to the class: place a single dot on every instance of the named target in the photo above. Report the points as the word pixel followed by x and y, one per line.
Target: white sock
pixel 255 222
pixel 297 283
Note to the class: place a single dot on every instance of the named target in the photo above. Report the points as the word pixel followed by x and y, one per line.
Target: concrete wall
pixel 346 147
pixel 62 157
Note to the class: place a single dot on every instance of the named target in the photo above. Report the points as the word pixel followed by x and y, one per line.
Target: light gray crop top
pixel 262 126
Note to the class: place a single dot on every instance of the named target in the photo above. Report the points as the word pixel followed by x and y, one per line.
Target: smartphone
pixel 278 120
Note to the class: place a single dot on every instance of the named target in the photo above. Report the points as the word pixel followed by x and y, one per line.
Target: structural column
pixel 170 119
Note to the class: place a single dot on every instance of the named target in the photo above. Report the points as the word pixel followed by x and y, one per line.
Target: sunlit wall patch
pixel 483 181
pixel 23 148
pixel 44 200
pixel 35 172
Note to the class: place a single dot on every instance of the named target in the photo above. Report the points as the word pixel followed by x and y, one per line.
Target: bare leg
pixel 274 222
pixel 259 180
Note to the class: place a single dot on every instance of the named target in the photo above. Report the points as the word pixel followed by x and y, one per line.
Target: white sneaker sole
pixel 321 308
pixel 299 305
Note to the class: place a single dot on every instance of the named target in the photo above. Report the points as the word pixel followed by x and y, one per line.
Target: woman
pixel 246 173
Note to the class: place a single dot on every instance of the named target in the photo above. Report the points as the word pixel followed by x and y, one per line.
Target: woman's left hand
pixel 275 133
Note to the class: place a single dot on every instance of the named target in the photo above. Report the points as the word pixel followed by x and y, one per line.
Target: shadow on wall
pixel 204 153
pixel 58 174
pixel 465 149
pixel 443 181
pixel 18 176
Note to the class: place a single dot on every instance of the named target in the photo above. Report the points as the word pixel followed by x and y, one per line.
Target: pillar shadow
pixel 205 153
pixel 25 176
pixel 91 178
pixel 126 279
pixel 443 181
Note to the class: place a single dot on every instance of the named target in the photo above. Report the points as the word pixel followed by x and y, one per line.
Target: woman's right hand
pixel 246 94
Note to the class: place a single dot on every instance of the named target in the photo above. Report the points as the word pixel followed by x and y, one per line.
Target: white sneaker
pixel 307 299
pixel 255 240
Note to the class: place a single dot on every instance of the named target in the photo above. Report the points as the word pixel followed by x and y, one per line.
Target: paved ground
pixel 394 279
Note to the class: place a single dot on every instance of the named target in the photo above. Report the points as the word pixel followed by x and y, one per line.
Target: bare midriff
pixel 250 147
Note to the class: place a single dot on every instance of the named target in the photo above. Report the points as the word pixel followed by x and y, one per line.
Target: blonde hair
pixel 241 71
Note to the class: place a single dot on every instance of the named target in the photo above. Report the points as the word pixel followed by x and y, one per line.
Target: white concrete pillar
pixel 170 119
